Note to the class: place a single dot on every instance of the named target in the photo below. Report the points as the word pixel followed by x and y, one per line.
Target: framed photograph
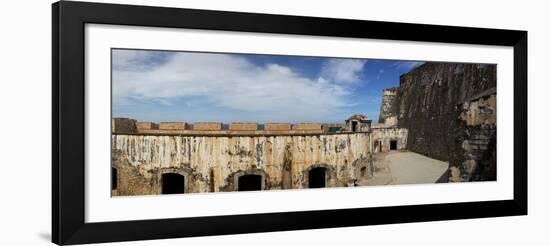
pixel 175 122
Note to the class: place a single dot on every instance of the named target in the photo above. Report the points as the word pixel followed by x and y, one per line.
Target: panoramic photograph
pixel 200 122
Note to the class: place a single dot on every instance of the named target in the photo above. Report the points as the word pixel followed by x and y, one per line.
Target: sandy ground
pixel 403 167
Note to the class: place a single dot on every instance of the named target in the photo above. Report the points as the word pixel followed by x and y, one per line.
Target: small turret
pixel 358 123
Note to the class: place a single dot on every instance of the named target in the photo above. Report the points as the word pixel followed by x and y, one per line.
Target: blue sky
pixel 191 86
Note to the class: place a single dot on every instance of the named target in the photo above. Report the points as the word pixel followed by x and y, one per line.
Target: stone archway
pixel 319 176
pixel 250 180
pixel 173 181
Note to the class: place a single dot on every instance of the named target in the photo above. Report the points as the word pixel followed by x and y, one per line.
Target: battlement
pixel 308 127
pixel 146 126
pixel 390 91
pixel 173 125
pixel 207 126
pixel 277 127
pixel 131 126
pixel 241 126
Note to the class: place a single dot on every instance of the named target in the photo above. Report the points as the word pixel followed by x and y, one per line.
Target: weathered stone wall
pixel 428 104
pixel 478 117
pixel 213 163
pixel 382 138
pixel 131 179
pixel 123 125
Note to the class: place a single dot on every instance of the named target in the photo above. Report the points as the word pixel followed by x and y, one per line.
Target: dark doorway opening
pixel 211 184
pixel 250 182
pixel 114 181
pixel 393 145
pixel 363 171
pixel 317 177
pixel 354 126
pixel 173 183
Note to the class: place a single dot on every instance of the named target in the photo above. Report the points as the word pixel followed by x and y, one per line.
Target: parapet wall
pixel 277 127
pixel 130 126
pixel 212 156
pixel 214 163
pixel 308 127
pixel 146 126
pixel 173 126
pixel 243 126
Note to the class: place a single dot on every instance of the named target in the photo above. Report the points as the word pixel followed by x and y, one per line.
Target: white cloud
pixel 273 92
pixel 122 58
pixel 343 71
pixel 137 59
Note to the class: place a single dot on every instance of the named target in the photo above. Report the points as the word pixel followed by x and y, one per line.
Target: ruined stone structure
pixel 449 111
pixel 175 157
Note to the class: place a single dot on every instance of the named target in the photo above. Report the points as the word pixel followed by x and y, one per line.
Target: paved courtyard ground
pixel 404 167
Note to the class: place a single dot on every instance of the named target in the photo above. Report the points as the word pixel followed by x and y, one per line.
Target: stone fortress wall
pixel 449 111
pixel 211 157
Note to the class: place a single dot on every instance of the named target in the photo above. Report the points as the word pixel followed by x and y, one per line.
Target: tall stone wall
pixel 387 110
pixel 213 163
pixel 429 103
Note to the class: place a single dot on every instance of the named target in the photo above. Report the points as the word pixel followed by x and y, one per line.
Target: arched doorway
pixel 173 183
pixel 114 180
pixel 249 182
pixel 317 177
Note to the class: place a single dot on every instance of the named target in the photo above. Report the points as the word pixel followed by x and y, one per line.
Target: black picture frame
pixel 68 107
